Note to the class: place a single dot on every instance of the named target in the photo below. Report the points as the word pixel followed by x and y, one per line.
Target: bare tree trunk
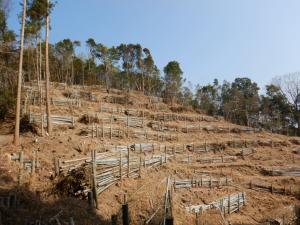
pixel 40 46
pixel 49 125
pixel 18 106
pixel 39 63
pixel 143 83
pixel 83 74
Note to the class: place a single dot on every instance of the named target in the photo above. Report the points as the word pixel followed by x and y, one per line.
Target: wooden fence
pixel 188 128
pixel 266 187
pixel 283 171
pixel 182 117
pixel 204 181
pixel 102 131
pixel 128 121
pixel 8 200
pixel 58 120
pixel 66 102
pixel 227 204
pixel 121 110
pixel 206 160
pixel 109 168
pixel 88 96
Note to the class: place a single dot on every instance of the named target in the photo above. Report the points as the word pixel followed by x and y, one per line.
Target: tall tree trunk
pixel 143 83
pixel 18 106
pixel 49 124
pixel 40 51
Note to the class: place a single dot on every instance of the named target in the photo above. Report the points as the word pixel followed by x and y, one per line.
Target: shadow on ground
pixel 20 206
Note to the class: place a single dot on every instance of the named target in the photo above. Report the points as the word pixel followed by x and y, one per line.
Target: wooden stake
pixel 120 163
pixel 94 188
pixel 128 161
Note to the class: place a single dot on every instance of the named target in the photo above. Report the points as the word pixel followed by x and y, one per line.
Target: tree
pixel 275 109
pixel 49 124
pixel 240 101
pixel 109 58
pixel 173 80
pixel 290 87
pixel 65 52
pixel 187 97
pixel 208 98
pixel 18 105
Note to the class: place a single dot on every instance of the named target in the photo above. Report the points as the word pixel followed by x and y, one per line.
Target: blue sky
pixel 211 39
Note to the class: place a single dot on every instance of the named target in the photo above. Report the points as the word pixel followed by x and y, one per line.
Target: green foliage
pixel 7 102
pixel 207 98
pixel 243 97
pixel 173 80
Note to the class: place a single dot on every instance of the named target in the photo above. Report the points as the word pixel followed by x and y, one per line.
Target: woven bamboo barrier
pixel 204 181
pixel 227 204
pixel 58 120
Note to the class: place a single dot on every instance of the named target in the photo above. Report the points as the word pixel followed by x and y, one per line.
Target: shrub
pixel 7 102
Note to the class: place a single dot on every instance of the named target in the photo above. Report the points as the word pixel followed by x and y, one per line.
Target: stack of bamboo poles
pixel 265 187
pixel 59 120
pixel 204 181
pixel 227 204
pixel 283 171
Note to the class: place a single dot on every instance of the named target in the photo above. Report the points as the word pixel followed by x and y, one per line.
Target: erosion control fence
pixel 227 204
pixel 266 187
pixel 204 181
pixel 58 120
pixel 110 168
pixel 283 171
